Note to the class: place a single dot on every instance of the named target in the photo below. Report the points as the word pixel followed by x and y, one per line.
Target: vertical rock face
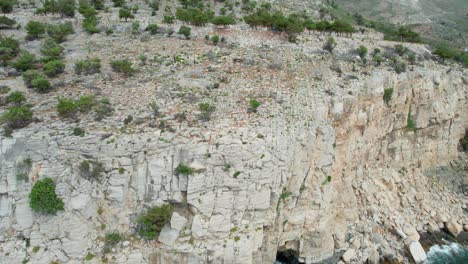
pixel 326 175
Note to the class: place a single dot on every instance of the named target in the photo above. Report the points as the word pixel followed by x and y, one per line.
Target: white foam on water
pixel 438 253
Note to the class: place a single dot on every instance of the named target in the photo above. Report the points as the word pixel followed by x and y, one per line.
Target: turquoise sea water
pixel 452 253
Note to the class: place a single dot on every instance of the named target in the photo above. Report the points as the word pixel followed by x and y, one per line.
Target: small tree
pixel 54 67
pixel 43 198
pixel 184 30
pixel 25 62
pixel 330 44
pixel 118 3
pixel 59 32
pixel 151 223
pixel 223 20
pixel 16 97
pixel 152 28
pixel 35 29
pixel 51 50
pixel 7 5
pixel 362 51
pixel 125 13
pixel 253 105
pixel 123 66
pixel 17 116
pixel 215 39
pixel 88 66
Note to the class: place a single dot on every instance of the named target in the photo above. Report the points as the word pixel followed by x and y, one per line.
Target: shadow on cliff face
pixel 287 256
pixel 453 176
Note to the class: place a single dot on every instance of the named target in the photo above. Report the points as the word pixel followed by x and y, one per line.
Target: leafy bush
pixel 9 48
pixel 151 223
pixel 43 198
pixel 51 50
pixel 122 66
pixel 206 111
pixel 253 105
pixel 88 66
pixel 388 92
pixel 16 97
pixel 90 25
pixel 25 62
pixel 59 32
pixel 125 13
pixel 66 8
pixel 223 20
pixel 184 169
pixel 6 22
pixel 152 28
pixel 194 16
pixel 66 107
pixel 185 31
pixel 91 170
pixel 362 51
pixel 30 75
pixel 35 29
pixel 113 239
pixel 168 19
pixel 330 44
pixel 215 39
pixel 40 84
pixel 54 67
pixel 7 5
pixel 401 50
pixel 410 123
pixel 118 3
pixel 399 66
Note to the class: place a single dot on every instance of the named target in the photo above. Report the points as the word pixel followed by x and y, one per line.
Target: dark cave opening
pixel 288 256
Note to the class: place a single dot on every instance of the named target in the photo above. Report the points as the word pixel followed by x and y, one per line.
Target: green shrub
pixel 54 67
pixel 6 22
pixel 184 169
pixel 51 50
pixel 17 116
pixel 194 16
pixel 151 223
pixel 223 20
pixel 378 59
pixel 25 62
pixel 399 66
pixel 388 92
pixel 35 29
pixel 401 50
pixel 125 13
pixel 109 31
pixel 152 28
pixel 122 66
pixel 41 85
pixel 362 51
pixel 4 89
pixel 16 97
pixel 330 44
pixel 9 48
pixel 89 256
pixel 135 27
pixel 88 66
pixel 59 32
pixel 118 3
pixel 30 75
pixel 215 39
pixel 43 198
pixel 185 31
pixel 410 123
pixel 168 19
pixel 113 239
pixel 66 8
pixel 253 105
pixel 78 132
pixel 7 5
pixel 90 25
pixel 206 111
pixel 91 170
pixel 67 107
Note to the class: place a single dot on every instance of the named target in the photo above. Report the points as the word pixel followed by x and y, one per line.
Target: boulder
pixel 374 257
pixel 417 252
pixel 349 255
pixel 177 221
pixel 453 227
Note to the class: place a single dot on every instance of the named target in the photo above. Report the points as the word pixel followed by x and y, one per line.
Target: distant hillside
pixel 436 19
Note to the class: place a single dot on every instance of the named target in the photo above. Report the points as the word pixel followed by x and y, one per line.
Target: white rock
pixel 178 222
pixel 417 252
pixel 349 255
pixel 168 236
pixel 454 228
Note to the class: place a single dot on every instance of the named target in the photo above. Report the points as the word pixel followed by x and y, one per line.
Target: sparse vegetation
pixel 88 66
pixel 184 30
pixel 206 110
pixel 16 97
pixel 17 117
pixel 152 28
pixel 54 67
pixel 388 92
pixel 362 51
pixel 330 44
pixel 123 66
pixel 184 169
pixel 253 105
pixel 410 123
pixel 90 169
pixel 151 223
pixel 51 50
pixel 43 198
pixel 125 14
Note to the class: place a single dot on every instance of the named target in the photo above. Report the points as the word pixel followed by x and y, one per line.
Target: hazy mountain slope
pixel 441 19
